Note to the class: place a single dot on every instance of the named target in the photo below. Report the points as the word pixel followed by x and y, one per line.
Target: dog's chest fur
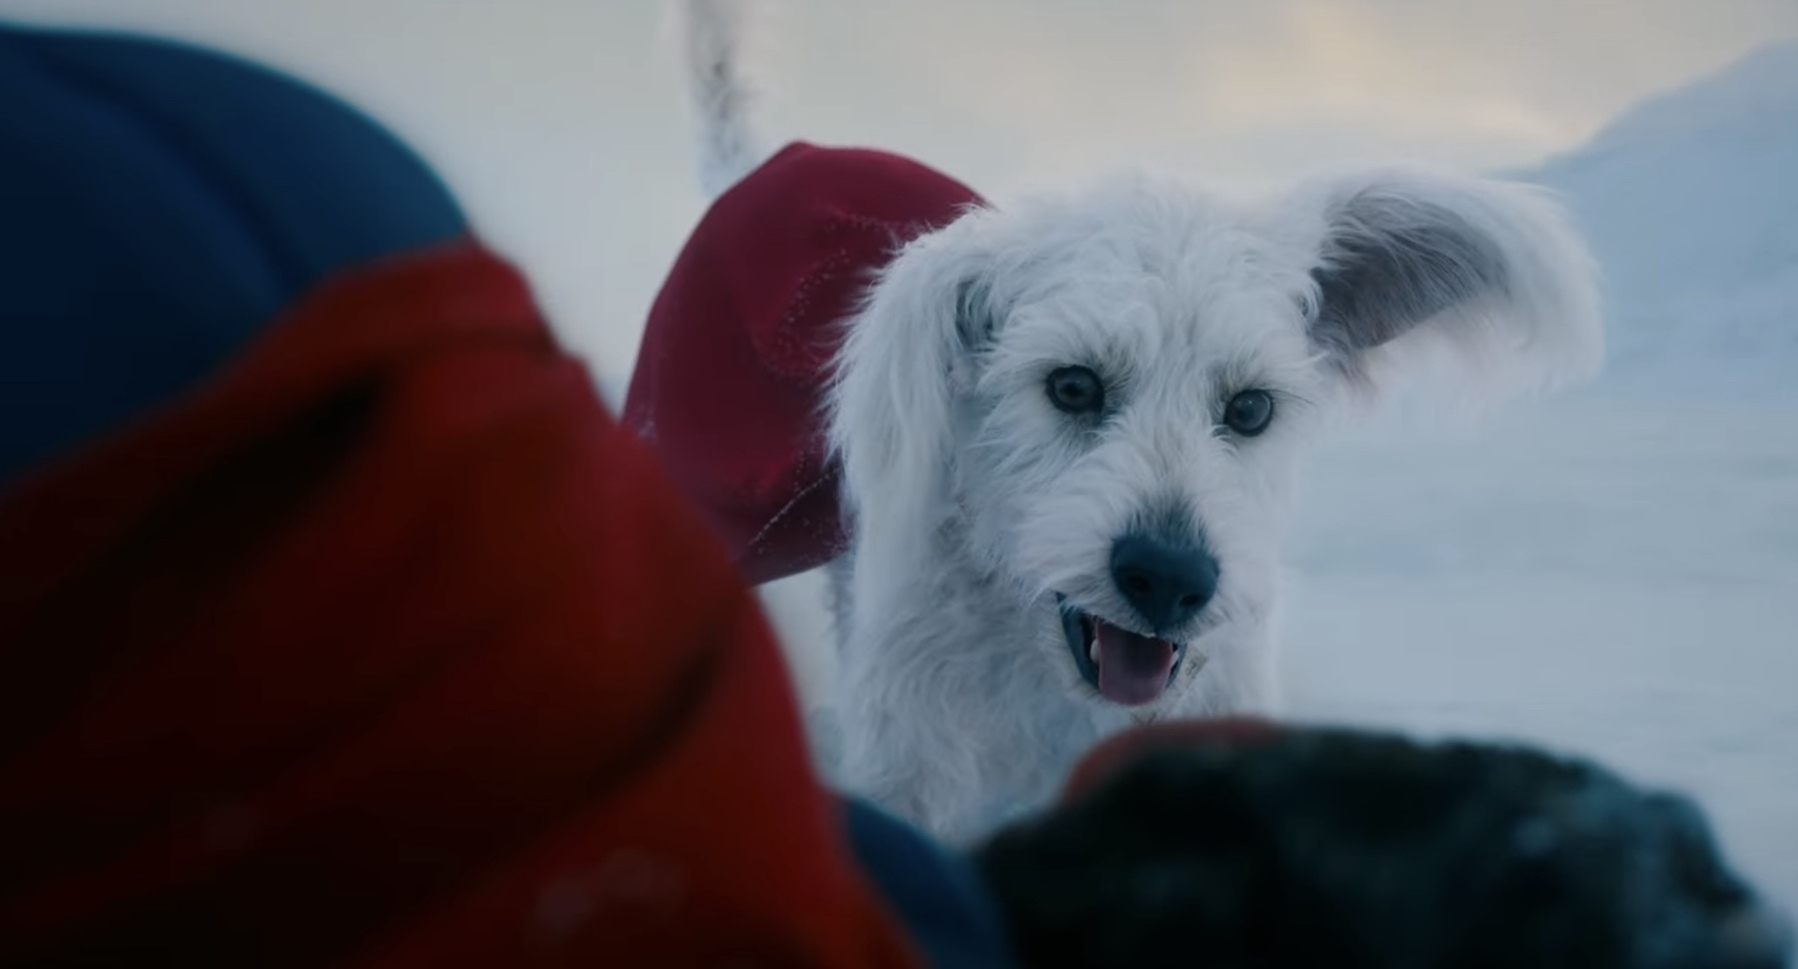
pixel 959 709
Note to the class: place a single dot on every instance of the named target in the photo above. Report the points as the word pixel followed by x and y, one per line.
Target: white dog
pixel 1067 430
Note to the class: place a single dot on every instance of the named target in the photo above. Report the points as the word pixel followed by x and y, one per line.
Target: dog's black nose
pixel 1167 584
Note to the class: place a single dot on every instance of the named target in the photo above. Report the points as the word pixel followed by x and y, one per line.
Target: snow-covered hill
pixel 1691 200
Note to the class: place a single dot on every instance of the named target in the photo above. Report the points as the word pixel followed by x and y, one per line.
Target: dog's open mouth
pixel 1125 667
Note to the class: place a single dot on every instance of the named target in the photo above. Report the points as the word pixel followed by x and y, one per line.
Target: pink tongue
pixel 1132 669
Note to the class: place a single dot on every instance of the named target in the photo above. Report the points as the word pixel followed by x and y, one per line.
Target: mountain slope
pixel 1691 201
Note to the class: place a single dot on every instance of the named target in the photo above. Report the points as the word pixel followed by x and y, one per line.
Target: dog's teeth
pixel 1092 649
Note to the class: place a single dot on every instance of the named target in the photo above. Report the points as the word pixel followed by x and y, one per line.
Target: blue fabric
pixel 938 895
pixel 160 204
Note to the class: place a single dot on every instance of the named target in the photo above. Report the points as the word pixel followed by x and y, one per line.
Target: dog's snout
pixel 1166 583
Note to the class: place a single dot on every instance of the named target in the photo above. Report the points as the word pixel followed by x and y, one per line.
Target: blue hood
pixel 159 204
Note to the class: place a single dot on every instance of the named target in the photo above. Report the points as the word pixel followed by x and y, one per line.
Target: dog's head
pixel 1101 396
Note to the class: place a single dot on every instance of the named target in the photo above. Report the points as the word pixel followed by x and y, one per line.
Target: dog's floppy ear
pixel 1415 269
pixel 907 356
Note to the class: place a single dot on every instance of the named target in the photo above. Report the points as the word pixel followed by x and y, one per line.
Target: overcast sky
pixel 562 126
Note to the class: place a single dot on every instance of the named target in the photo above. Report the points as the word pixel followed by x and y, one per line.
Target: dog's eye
pixel 1249 412
pixel 1076 390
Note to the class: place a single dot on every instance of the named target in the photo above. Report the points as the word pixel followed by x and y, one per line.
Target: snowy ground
pixel 1611 578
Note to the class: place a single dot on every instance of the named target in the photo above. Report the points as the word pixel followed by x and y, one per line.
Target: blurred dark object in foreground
pixel 1331 848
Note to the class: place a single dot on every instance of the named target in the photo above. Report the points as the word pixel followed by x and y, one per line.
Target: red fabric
pixel 389 648
pixel 730 381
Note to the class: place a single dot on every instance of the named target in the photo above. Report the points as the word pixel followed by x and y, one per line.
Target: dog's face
pixel 1102 396
pixel 1125 429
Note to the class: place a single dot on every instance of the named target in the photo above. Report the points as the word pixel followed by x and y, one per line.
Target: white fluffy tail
pixel 713 35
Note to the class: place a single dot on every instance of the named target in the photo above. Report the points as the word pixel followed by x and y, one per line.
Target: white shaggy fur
pixel 976 503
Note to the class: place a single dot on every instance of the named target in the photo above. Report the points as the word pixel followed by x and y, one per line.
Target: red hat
pixel 730 383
